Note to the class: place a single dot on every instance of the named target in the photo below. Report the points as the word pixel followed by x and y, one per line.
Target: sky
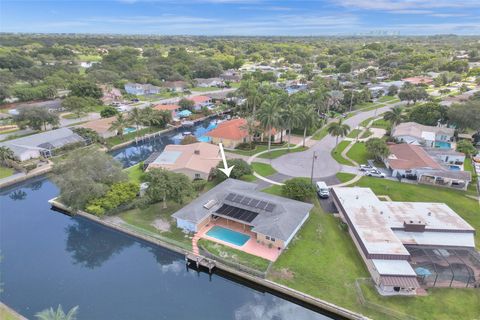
pixel 243 17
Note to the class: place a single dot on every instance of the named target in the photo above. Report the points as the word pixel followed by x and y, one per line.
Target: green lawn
pixel 354 133
pixel 6 172
pixel 72 116
pixel 322 261
pixel 263 169
pixel 380 123
pixel 258 148
pixel 365 122
pixel 468 166
pixel 234 255
pixel 143 220
pixel 387 99
pixel 248 178
pixel 467 208
pixel 278 153
pixel 6 314
pixel 202 89
pixel 320 134
pixel 135 173
pixel 344 176
pixel 337 153
pixel 367 133
pixel 113 141
pixel 358 153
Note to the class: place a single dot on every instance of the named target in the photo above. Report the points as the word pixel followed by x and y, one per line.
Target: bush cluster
pixel 119 194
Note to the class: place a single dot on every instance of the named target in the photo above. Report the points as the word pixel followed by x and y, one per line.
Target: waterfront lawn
pixel 466 207
pixel 6 172
pixel 337 153
pixel 234 255
pixel 155 214
pixel 263 169
pixel 135 173
pixel 113 141
pixel 358 153
pixel 344 176
pixel 7 314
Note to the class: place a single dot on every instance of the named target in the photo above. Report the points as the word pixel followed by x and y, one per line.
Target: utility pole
pixel 313 165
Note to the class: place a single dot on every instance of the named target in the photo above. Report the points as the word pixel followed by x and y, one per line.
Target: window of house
pixel 272 239
pixel 197 175
pixel 267 237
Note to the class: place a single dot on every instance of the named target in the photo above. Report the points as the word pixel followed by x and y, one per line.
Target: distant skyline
pixel 243 17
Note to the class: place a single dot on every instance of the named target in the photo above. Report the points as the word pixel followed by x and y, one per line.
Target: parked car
pixel 367 167
pixel 322 190
pixel 375 173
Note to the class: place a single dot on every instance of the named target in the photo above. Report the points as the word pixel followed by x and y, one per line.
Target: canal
pixel 48 259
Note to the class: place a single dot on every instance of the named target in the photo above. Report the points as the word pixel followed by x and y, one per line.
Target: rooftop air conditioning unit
pixel 210 204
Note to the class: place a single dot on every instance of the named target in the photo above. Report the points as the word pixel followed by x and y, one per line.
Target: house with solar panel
pixel 236 214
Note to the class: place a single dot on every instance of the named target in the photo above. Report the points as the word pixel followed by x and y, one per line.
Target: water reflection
pixel 90 246
pixel 135 153
pixel 18 195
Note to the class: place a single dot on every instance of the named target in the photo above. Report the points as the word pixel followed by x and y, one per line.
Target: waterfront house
pixel 200 101
pixel 195 160
pixel 139 89
pixel 42 144
pixel 255 222
pixel 419 134
pixel 173 108
pixel 408 246
pixel 101 127
pixel 209 82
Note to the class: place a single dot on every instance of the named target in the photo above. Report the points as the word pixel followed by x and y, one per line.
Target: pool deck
pixel 251 246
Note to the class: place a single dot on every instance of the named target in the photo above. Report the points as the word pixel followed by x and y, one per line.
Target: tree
pixel 59 314
pixel 108 112
pixel 466 115
pixel 88 134
pixel 338 129
pixel 429 114
pixel 84 175
pixel 36 118
pixel 269 116
pixel 377 148
pixel 240 169
pixel 7 157
pixel 467 147
pixel 309 120
pixel 188 140
pixel 392 90
pixel 291 118
pixel 120 124
pixel 85 89
pixel 298 189
pixel 164 185
pixel 136 117
pixel 394 116
pixel 76 105
pixel 186 104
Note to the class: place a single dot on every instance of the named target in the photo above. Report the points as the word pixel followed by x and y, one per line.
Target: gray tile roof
pixel 281 223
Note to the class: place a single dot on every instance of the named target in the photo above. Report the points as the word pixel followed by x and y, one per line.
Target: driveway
pixel 299 164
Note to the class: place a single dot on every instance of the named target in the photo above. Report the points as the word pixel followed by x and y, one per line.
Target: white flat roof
pixel 429 136
pixel 454 239
pixel 393 267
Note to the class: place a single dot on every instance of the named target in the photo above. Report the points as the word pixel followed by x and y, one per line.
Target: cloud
pixel 390 5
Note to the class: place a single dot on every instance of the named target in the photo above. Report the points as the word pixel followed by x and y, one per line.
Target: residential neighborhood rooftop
pixel 407 156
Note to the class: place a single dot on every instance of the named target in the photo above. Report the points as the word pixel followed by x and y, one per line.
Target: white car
pixel 366 167
pixel 375 173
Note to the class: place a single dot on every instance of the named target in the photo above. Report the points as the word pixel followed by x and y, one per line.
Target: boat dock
pixel 200 261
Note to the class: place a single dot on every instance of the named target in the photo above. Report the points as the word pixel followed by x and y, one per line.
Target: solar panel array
pixel 237 213
pixel 250 202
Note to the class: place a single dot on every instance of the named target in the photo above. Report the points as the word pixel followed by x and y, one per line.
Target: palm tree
pixel 309 118
pixel 50 314
pixel 251 127
pixel 291 117
pixel 338 129
pixel 7 156
pixel 269 116
pixel 120 124
pixel 136 117
pixel 394 115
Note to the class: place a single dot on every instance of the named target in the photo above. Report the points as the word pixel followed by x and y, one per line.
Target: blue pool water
pixel 443 145
pixel 128 130
pixel 454 168
pixel 227 235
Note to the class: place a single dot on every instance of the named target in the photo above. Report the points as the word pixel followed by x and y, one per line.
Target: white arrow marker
pixel 226 169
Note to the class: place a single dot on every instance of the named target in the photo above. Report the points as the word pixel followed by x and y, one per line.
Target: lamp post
pixel 313 165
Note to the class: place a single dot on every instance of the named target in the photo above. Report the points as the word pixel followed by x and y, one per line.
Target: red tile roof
pixel 418 80
pixel 171 107
pixel 200 99
pixel 232 129
pixel 406 156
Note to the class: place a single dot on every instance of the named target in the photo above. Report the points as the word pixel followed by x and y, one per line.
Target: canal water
pixel 137 152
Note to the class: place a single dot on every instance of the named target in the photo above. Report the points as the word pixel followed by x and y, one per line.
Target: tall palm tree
pixel 136 117
pixel 394 115
pixel 338 129
pixel 309 118
pixel 120 124
pixel 251 127
pixel 7 156
pixel 59 314
pixel 269 116
pixel 291 117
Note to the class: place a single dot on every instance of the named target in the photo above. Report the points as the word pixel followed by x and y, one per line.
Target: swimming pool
pixel 443 145
pixel 129 130
pixel 227 235
pixel 454 168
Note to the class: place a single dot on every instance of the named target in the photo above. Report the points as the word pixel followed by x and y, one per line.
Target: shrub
pixel 108 112
pixel 241 168
pixel 298 189
pixel 119 194
pixel 245 146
